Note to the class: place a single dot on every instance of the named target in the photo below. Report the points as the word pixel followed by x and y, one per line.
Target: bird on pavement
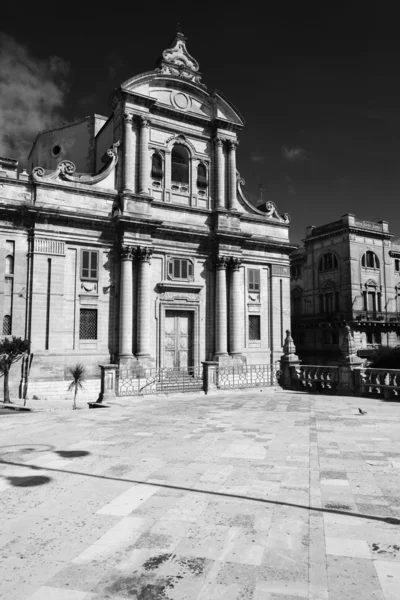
pixel 362 412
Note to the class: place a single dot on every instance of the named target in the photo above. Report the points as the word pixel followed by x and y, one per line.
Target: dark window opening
pixel 7 325
pixel 295 271
pixel 254 328
pixel 201 177
pixel 370 260
pixel 90 262
pixel 88 324
pixel 156 166
pixel 180 164
pixel 397 265
pixel 328 262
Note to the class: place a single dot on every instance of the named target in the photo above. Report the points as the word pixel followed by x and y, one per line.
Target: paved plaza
pixel 250 495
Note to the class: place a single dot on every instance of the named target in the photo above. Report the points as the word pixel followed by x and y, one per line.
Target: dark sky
pixel 319 89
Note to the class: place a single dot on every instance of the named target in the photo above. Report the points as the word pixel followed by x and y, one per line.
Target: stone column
pixel 221 328
pixel 233 202
pixel 235 314
pixel 220 172
pixel 167 170
pixel 144 302
pixel 129 155
pixel 125 306
pixel 144 170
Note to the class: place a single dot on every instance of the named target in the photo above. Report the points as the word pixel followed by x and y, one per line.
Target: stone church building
pixel 129 239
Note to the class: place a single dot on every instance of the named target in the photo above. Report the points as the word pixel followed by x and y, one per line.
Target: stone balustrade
pixel 315 378
pixel 377 382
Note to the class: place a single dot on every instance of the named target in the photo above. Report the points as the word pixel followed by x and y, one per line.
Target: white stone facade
pixel 131 241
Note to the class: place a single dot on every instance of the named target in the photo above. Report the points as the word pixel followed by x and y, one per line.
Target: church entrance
pixel 178 339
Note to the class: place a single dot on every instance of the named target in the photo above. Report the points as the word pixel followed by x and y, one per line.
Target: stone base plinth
pixel 230 361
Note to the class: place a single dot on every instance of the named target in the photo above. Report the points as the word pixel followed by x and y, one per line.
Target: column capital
pixel 221 262
pixel 128 118
pixel 219 141
pixel 232 145
pixel 144 121
pixel 235 263
pixel 144 253
pixel 126 252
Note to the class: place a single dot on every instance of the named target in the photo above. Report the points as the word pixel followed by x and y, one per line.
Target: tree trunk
pixel 6 388
pixel 75 398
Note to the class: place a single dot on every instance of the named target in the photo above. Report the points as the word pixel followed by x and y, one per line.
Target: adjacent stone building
pixel 348 270
pixel 129 240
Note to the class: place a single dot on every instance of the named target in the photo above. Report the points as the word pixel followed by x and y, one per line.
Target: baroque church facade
pixel 129 239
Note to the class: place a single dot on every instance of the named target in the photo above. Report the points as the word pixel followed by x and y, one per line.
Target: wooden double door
pixel 178 339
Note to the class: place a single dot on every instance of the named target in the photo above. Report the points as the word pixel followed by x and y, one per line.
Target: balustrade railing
pixel 315 378
pixel 378 382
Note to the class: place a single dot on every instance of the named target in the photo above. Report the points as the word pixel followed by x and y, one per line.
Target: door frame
pixel 184 307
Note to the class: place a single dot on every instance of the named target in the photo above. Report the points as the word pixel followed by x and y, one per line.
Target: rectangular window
pixel 397 265
pixel 90 264
pixel 180 268
pixel 254 280
pixel 88 324
pixel 254 328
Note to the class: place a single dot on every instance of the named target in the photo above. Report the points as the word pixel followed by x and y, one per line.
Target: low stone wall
pixel 53 390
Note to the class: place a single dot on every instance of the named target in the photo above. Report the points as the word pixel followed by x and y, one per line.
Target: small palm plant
pixel 78 373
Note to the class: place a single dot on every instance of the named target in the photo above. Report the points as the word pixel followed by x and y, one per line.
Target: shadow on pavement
pixel 390 520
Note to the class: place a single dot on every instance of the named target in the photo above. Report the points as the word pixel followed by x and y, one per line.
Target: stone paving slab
pixel 232 496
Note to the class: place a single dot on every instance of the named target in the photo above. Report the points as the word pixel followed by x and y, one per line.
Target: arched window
pixel 156 166
pixel 9 266
pixel 7 325
pixel 370 260
pixel 328 262
pixel 201 176
pixel 180 164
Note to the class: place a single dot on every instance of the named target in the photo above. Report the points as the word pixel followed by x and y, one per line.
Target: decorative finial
pixel 176 60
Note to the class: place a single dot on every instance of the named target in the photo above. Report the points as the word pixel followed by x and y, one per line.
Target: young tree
pixel 78 373
pixel 11 350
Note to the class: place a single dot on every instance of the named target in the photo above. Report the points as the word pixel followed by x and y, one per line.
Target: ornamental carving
pixel 180 139
pixel 144 253
pixel 268 210
pixel 144 122
pixel 65 170
pixel 127 252
pixel 177 61
pixel 128 118
pixel 221 262
pixel 232 144
pixel 235 263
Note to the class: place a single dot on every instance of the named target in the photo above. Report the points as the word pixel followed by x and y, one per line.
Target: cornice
pixel 76 187
pixel 349 229
pixel 12 181
pixel 180 285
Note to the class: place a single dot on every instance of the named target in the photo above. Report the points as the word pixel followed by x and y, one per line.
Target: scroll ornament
pixel 65 170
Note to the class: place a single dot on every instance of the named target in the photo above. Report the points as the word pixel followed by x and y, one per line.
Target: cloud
pixel 32 96
pixel 294 154
pixel 256 157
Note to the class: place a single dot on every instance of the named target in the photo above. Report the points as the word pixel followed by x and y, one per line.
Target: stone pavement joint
pixel 232 496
